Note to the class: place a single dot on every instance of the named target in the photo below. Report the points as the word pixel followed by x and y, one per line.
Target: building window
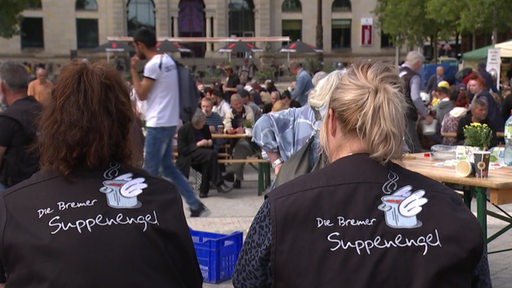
pixel 192 23
pixel 241 18
pixel 32 33
pixel 86 5
pixel 341 33
pixel 342 5
pixel 292 29
pixel 86 33
pixel 291 6
pixel 33 5
pixel 385 40
pixel 141 13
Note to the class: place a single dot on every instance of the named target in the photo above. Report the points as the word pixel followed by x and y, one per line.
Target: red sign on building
pixel 366 31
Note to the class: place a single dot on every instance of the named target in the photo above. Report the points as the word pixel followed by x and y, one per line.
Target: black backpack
pixel 189 94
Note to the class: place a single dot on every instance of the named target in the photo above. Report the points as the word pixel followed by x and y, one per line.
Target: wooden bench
pixel 454 134
pixel 263 170
pixel 219 155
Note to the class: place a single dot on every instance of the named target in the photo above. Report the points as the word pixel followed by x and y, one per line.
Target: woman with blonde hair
pixel 363 221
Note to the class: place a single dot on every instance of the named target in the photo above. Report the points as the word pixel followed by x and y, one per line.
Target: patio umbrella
pixel 168 46
pixel 299 47
pixel 239 47
pixel 114 46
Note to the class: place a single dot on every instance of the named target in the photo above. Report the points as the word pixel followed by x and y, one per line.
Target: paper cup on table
pixel 464 168
pixel 482 163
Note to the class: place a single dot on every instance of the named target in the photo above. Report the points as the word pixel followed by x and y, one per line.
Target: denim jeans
pixel 158 161
pixel 2 187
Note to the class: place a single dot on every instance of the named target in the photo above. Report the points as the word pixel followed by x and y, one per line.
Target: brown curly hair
pixel 87 120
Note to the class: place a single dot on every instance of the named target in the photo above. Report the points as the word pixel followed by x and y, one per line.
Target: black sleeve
pixel 185 144
pixel 8 128
pixel 206 132
pixel 253 268
pixel 460 129
pixel 3 218
pixel 507 106
pixel 481 274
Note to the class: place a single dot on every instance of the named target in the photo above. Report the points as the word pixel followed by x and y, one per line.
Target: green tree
pixel 10 15
pixel 404 20
pixel 485 17
pixel 446 15
pixel 412 21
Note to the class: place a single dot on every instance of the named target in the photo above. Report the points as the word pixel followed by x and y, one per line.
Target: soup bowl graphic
pixel 391 207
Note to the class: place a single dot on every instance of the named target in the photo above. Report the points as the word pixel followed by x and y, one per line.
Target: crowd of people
pixel 91 173
pixel 452 104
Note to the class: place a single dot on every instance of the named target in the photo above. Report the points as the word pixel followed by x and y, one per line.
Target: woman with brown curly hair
pixel 89 218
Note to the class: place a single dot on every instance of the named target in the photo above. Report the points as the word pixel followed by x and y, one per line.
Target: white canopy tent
pixel 505 48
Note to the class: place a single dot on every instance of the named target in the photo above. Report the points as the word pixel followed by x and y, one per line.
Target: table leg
pixel 263 177
pixel 481 209
pixel 468 196
pixel 267 174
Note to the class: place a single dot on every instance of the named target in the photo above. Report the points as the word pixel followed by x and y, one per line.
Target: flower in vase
pixel 477 135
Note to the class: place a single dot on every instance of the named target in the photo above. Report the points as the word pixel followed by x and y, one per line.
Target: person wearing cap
pixel 444 103
pixel 435 79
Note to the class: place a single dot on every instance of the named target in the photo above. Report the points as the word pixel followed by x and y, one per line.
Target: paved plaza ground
pixel 235 211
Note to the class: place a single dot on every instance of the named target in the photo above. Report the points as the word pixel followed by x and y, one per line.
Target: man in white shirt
pixel 221 106
pixel 159 87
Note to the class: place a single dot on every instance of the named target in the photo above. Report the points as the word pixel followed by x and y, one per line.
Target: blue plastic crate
pixel 217 254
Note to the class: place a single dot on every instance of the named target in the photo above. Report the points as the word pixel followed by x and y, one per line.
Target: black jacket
pixel 72 232
pixel 20 159
pixel 354 222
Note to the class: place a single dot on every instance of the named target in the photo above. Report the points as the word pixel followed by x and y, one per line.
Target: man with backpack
pixel 160 87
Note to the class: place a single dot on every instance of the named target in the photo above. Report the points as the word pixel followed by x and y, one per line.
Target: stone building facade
pixel 57 29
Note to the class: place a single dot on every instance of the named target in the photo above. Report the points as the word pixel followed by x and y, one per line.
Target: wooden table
pixel 229 136
pixel 498 186
pixel 454 134
pixel 263 165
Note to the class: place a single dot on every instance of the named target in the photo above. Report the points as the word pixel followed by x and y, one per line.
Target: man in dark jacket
pixel 415 106
pixel 17 126
pixel 489 81
pixel 195 149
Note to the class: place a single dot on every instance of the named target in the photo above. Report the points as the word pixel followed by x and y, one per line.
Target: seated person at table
pixel 213 119
pixel 195 149
pixel 220 106
pixel 477 114
pixel 241 148
pixel 450 124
